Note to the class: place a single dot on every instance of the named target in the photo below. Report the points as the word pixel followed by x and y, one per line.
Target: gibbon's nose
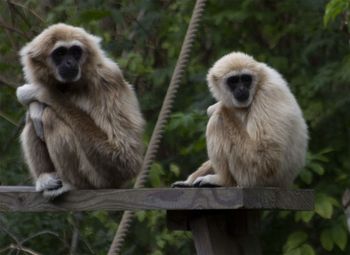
pixel 70 63
pixel 241 94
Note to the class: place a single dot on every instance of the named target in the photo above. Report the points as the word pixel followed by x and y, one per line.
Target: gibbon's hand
pixel 211 109
pixel 36 110
pixel 27 93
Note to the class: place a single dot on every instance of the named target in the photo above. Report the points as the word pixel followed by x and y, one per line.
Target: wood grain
pixel 25 199
pixel 224 232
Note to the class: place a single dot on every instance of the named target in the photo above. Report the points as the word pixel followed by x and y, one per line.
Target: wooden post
pixel 227 232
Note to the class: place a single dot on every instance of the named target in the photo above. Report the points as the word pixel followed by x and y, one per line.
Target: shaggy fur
pixel 92 127
pixel 261 143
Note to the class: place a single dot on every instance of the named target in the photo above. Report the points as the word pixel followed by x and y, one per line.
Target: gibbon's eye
pixel 60 51
pixel 233 80
pixel 76 51
pixel 246 78
pixel 58 54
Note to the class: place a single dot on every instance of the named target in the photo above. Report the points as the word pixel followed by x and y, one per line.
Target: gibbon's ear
pixel 212 79
pixel 215 78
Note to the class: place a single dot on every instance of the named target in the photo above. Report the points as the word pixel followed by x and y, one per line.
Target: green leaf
pixel 155 174
pixel 307 249
pixel 175 169
pixel 296 251
pixel 327 240
pixel 295 240
pixel 304 216
pixel 333 9
pixel 141 215
pixel 323 206
pixel 306 176
pixel 317 168
pixel 339 236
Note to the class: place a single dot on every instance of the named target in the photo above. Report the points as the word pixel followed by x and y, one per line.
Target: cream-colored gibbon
pixel 256 134
pixel 84 126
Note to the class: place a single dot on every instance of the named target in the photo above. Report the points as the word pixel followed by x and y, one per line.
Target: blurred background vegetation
pixel 308 41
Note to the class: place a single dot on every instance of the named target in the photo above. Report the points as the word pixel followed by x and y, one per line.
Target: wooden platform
pixel 25 199
pixel 223 221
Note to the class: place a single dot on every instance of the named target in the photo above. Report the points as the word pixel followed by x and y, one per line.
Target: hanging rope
pixel 164 114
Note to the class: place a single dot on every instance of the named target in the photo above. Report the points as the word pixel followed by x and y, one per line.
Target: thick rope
pixel 164 114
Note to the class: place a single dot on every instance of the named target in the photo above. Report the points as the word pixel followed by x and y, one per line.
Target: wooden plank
pixel 25 199
pixel 271 198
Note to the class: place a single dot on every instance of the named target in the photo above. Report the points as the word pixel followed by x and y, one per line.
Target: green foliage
pixel 334 8
pixel 145 37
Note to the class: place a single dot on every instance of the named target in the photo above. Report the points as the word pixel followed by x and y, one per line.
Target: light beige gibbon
pixel 256 134
pixel 84 126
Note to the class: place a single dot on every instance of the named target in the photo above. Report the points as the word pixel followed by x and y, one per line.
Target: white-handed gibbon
pixel 84 126
pixel 256 134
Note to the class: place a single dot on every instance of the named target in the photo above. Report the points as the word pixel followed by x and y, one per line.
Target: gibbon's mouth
pixel 69 75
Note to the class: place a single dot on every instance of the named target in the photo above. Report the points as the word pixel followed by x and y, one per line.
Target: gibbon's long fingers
pixel 210 180
pixel 53 193
pixel 36 110
pixel 181 184
pixel 204 169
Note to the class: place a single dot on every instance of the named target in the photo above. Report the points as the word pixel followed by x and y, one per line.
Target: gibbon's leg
pixel 117 160
pixel 221 177
pixel 65 154
pixel 38 160
pixel 204 169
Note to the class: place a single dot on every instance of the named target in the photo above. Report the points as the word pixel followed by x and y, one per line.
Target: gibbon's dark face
pixel 240 86
pixel 67 61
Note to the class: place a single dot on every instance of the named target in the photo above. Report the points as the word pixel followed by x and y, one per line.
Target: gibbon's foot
pixel 48 181
pixel 52 193
pixel 182 184
pixel 209 181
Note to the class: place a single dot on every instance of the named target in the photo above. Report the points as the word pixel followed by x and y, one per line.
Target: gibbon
pixel 84 126
pixel 256 134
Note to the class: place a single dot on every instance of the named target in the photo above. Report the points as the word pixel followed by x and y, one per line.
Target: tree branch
pixel 13 29
pixel 28 9
pixel 5 82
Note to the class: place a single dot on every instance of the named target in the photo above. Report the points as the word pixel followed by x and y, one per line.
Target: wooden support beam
pixel 25 199
pixel 233 232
